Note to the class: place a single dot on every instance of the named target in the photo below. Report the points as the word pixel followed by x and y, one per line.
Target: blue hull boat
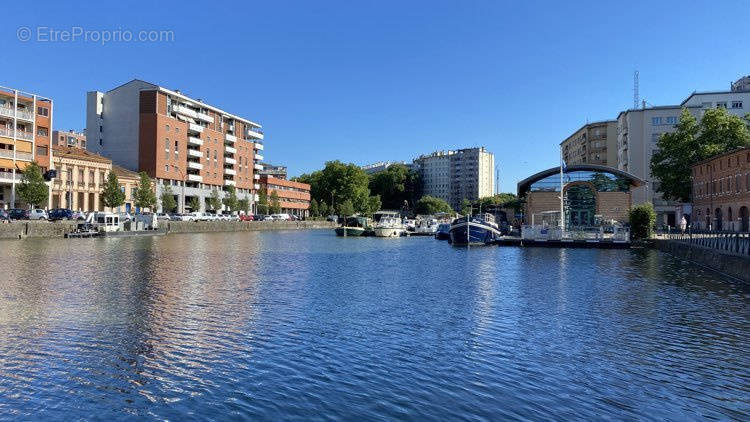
pixel 479 233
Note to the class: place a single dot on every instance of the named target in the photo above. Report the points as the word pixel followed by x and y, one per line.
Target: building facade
pixel 457 175
pixel 25 127
pixel 182 142
pixel 80 178
pixel 593 143
pixel 70 138
pixel 272 170
pixel 736 101
pixel 721 192
pixel 294 197
pixel 128 181
pixel 382 166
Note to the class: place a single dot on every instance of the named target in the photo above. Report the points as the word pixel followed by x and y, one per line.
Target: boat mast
pixel 562 207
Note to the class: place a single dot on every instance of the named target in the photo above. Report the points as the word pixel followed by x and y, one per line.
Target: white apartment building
pixel 736 101
pixel 457 175
pixel 382 166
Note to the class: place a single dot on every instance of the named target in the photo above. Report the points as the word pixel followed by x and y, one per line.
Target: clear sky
pixel 387 80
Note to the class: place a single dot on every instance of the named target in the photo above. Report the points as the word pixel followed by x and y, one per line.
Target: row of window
pixel 737 104
pixel 729 160
pixel 669 120
pixel 723 186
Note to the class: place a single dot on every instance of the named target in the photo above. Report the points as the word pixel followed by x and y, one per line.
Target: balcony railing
pixel 194 178
pixel 258 157
pixel 255 133
pixel 229 171
pixel 230 150
pixel 194 165
pixel 8 176
pixel 258 146
pixel 228 182
pixel 8 133
pixel 195 153
pixel 257 166
pixel 230 160
pixel 256 186
pixel 192 140
pixel 230 138
pixel 6 153
pixel 25 156
pixel 734 243
pixel 9 112
pixel 195 127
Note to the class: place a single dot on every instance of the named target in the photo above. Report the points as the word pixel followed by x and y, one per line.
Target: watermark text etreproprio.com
pixel 101 36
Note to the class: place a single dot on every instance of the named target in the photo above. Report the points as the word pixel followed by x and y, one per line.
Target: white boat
pixel 426 226
pixel 388 224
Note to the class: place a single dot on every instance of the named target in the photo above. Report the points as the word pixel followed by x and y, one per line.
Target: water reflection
pixel 289 324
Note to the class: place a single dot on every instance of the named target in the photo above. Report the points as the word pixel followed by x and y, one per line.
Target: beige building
pixel 593 143
pixel 80 178
pixel 70 138
pixel 457 175
pixel 128 182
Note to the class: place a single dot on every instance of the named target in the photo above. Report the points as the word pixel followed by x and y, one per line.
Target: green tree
pixel 112 194
pixel 230 198
pixel 263 201
pixel 373 204
pixel 32 188
pixel 429 205
pixel 275 206
pixel 465 207
pixel 395 185
pixel 194 204
pixel 314 211
pixel 168 203
pixel 144 193
pixel 642 220
pixel 323 209
pixel 337 182
pixel 244 205
pixel 213 202
pixel 346 208
pixel 717 132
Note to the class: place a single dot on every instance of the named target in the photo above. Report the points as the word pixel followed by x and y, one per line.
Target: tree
pixel 717 132
pixel 263 200
pixel 168 204
pixel 346 208
pixel 194 204
pixel 395 185
pixel 323 209
pixel 275 206
pixel 373 204
pixel 338 182
pixel 230 198
pixel 642 220
pixel 465 207
pixel 314 211
pixel 144 194
pixel 32 188
pixel 244 205
pixel 112 195
pixel 429 205
pixel 213 202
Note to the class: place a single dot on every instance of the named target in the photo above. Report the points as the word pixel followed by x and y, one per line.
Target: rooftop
pixel 63 151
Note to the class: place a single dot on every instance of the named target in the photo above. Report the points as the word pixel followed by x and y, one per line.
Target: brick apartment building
pixel 294 197
pixel 70 138
pixel 25 125
pixel 180 141
pixel 721 192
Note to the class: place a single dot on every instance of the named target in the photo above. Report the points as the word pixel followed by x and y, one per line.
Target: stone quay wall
pixel 736 266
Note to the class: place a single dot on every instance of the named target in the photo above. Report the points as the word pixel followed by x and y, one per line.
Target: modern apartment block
pixel 25 125
pixel 180 141
pixel 593 143
pixel 736 101
pixel 279 172
pixel 70 138
pixel 382 166
pixel 294 197
pixel 457 175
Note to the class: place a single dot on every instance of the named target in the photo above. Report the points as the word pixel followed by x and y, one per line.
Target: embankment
pixel 43 229
pixel 736 266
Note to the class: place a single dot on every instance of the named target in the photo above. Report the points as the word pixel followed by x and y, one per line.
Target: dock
pixel 564 243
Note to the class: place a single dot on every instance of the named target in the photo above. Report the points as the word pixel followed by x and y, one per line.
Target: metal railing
pixel 732 242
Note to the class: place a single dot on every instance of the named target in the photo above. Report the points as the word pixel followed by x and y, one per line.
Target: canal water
pixel 301 325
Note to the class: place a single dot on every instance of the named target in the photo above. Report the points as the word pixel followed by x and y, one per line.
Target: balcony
pixel 186 111
pixel 193 127
pixel 258 146
pixel 257 166
pixel 258 157
pixel 204 117
pixel 194 165
pixel 257 198
pixel 229 171
pixel 230 138
pixel 8 133
pixel 256 176
pixel 194 153
pixel 230 160
pixel 192 140
pixel 230 150
pixel 255 133
pixel 194 178
pixel 24 156
pixel 228 182
pixel 9 112
pixel 256 186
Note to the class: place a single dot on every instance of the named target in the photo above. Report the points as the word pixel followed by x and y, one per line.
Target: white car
pixel 38 214
pixel 198 216
pixel 283 217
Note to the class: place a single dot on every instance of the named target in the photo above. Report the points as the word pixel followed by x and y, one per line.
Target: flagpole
pixel 562 207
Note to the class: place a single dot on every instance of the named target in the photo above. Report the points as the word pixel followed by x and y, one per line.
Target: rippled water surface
pixel 302 325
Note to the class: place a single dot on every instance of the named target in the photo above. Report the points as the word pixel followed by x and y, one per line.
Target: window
pixel 208 154
pixel 737 183
pixel 100 129
pixel 736 104
pixel 706 104
pixel 672 120
pixel 167 128
pixel 42 111
pixel 655 121
pixel 41 150
pixel 166 147
pixel 166 168
pixel 42 131
pixel 721 104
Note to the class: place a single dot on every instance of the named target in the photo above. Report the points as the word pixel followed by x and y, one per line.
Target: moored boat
pixel 389 224
pixel 443 231
pixel 474 231
pixel 352 226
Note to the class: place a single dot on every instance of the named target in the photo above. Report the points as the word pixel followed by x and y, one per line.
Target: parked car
pixel 60 214
pixel 18 214
pixel 198 216
pixel 79 215
pixel 162 216
pixel 247 217
pixel 38 214
pixel 4 217
pixel 282 217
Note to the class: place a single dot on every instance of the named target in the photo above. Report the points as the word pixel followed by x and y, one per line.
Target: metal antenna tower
pixel 636 95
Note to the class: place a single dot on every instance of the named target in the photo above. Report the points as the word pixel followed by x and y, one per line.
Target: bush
pixel 642 220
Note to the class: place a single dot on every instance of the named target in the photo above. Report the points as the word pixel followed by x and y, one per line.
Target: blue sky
pixel 387 80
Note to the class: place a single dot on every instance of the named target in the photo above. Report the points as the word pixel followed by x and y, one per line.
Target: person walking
pixel 683 224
